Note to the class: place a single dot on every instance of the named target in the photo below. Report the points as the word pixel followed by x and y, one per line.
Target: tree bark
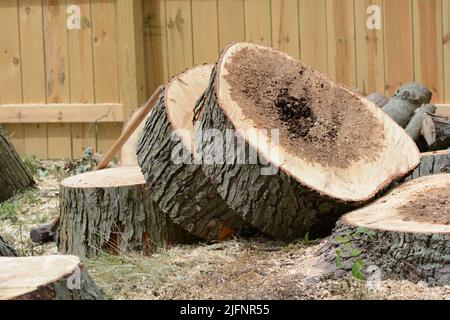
pixel 399 110
pixel 14 176
pixel 46 278
pixel 277 204
pixel 431 163
pixel 6 250
pixel 180 188
pixel 377 238
pixel 116 217
pixel 436 131
pixel 414 127
pixel 378 99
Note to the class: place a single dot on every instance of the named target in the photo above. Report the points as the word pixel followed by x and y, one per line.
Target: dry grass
pixel 235 269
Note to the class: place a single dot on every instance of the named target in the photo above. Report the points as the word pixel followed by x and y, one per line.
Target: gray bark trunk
pixel 6 250
pixel 182 190
pixel 114 219
pixel 431 164
pixel 14 176
pixel 275 204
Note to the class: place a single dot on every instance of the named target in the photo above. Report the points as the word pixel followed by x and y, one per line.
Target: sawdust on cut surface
pixel 318 121
pixel 431 206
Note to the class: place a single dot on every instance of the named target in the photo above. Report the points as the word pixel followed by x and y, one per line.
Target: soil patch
pixel 318 121
pixel 432 206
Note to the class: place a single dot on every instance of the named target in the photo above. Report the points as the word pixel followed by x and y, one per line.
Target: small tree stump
pixel 14 176
pixel 320 169
pixel 110 210
pixel 6 250
pixel 404 235
pixel 46 278
pixel 166 155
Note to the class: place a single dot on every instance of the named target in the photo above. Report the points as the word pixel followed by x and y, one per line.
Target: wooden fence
pixel 58 85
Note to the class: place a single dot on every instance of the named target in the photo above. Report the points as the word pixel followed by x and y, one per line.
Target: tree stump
pixel 6 250
pixel 431 163
pixel 336 150
pixel 166 155
pixel 46 278
pixel 14 176
pixel 111 210
pixel 436 131
pixel 404 235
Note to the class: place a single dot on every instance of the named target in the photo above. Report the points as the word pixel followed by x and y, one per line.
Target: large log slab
pixel 166 155
pixel 46 278
pixel 110 210
pixel 403 235
pixel 322 168
pixel 14 176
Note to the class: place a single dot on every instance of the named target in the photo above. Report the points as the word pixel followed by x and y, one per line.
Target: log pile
pixel 46 278
pixel 14 176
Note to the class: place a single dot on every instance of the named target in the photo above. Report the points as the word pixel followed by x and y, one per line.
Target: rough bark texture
pixel 436 131
pixel 14 176
pixel 414 127
pixel 114 219
pixel 275 204
pixel 431 164
pixel 182 190
pixel 6 250
pixel 414 93
pixel 399 110
pixel 398 255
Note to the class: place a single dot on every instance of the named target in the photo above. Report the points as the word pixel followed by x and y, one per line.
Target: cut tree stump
pixel 166 155
pixel 403 235
pixel 431 163
pixel 14 176
pixel 111 210
pixel 46 278
pixel 436 131
pixel 6 250
pixel 336 149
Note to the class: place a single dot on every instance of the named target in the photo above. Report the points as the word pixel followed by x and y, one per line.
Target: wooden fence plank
pixel 231 10
pixel 446 47
pixel 205 31
pixel 179 36
pixel 258 22
pixel 285 27
pixel 369 49
pixel 341 44
pixel 313 34
pixel 428 58
pixel 155 44
pixel 33 72
pixel 399 62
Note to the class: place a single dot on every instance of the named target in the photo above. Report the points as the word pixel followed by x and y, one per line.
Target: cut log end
pixel 436 131
pixel 335 149
pixel 46 278
pixel 110 210
pixel 406 234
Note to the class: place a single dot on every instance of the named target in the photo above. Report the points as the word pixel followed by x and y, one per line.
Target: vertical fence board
pixel 205 31
pixel 446 47
pixel 155 43
pixel 428 58
pixel 369 50
pixel 399 63
pixel 179 36
pixel 33 72
pixel 341 44
pixel 231 10
pixel 258 21
pixel 285 27
pixel 10 67
pixel 313 33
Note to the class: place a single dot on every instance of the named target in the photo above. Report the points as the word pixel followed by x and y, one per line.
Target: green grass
pixel 19 204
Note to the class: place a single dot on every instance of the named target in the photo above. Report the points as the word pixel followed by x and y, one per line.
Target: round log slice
pixel 431 163
pixel 110 210
pixel 336 150
pixel 166 155
pixel 14 176
pixel 6 250
pixel 46 278
pixel 405 234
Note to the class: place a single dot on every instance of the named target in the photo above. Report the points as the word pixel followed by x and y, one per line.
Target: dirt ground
pixel 235 269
